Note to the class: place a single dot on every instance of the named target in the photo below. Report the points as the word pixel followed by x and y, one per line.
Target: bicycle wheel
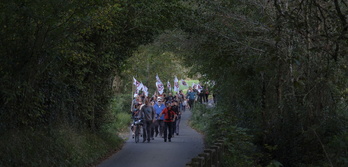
pixel 136 137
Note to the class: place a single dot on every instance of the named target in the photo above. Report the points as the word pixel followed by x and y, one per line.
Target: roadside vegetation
pixel 61 89
pixel 66 145
pixel 281 78
pixel 279 70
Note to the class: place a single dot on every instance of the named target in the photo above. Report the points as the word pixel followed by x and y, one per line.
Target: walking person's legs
pixel 144 131
pixel 190 102
pixel 161 127
pixel 156 124
pixel 170 130
pixel 152 130
pixel 165 131
pixel 173 128
pixel 148 130
pixel 177 127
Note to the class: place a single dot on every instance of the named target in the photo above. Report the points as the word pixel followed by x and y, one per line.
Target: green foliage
pixel 337 150
pixel 57 64
pixel 150 60
pixel 215 125
pixel 64 145
pixel 58 60
pixel 199 117
pixel 279 70
pixel 61 146
pixel 118 117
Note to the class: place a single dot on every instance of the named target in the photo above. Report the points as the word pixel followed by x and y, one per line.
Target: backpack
pixel 170 116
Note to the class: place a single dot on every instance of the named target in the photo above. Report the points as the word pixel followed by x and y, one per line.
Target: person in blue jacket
pixel 159 124
pixel 191 96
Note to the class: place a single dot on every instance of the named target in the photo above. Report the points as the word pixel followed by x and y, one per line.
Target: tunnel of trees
pixel 279 69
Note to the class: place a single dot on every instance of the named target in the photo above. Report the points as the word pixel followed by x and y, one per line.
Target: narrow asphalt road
pixel 158 153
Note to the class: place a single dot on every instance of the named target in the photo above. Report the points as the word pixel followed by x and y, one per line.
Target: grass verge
pixel 64 145
pixel 60 146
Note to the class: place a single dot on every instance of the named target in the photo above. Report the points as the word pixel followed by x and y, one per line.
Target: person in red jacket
pixel 169 117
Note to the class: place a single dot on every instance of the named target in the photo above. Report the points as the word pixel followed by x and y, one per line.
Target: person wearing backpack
pixel 176 122
pixel 169 97
pixel 169 117
pixel 175 108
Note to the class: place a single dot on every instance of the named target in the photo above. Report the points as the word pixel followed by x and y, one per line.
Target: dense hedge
pixel 279 69
pixel 58 62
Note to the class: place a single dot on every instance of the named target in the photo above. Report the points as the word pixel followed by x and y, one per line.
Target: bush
pixel 59 146
pixel 65 145
pixel 215 124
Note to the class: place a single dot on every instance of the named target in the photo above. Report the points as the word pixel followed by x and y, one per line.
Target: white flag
pixel 199 88
pixel 159 85
pixel 158 79
pixel 176 84
pixel 145 91
pixel 169 86
pixel 140 87
pixel 183 83
pixel 137 84
pixel 194 86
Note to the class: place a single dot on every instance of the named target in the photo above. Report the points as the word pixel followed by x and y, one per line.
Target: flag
pixel 138 85
pixel 145 89
pixel 169 86
pixel 194 86
pixel 176 84
pixel 135 82
pixel 159 85
pixel 199 88
pixel 158 79
pixel 183 83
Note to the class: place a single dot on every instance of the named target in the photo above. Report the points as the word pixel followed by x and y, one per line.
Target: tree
pixel 59 61
pixel 151 60
pixel 279 66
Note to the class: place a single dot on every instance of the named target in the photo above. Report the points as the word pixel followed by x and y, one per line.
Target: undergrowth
pixel 64 145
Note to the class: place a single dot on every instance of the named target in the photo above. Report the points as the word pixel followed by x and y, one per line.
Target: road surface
pixel 158 153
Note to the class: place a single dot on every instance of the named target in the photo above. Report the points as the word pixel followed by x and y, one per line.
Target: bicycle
pixel 137 132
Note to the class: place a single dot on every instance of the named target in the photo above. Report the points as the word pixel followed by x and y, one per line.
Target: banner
pixel 176 84
pixel 159 85
pixel 158 79
pixel 138 85
pixel 145 91
pixel 194 86
pixel 169 86
pixel 183 83
pixel 199 88
pixel 135 82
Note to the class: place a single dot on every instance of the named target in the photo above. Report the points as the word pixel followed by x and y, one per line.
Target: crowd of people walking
pixel 161 114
